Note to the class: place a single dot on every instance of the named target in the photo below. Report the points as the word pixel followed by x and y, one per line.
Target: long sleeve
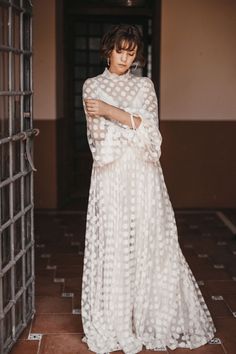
pixel 106 139
pixel 148 137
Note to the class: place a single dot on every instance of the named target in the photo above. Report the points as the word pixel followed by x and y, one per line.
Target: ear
pixel 135 59
pixel 135 64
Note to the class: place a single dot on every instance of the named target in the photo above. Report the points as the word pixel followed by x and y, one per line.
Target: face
pixel 121 60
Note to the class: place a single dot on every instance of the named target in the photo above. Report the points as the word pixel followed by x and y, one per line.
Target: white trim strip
pixel 197 211
pixel 226 221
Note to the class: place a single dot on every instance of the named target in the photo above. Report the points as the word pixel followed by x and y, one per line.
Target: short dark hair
pixel 115 37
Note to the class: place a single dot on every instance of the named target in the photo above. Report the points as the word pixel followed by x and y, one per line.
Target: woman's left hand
pixel 96 108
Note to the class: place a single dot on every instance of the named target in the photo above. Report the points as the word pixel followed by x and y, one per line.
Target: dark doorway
pixel 85 23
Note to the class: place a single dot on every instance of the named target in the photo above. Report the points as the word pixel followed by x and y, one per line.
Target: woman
pixel 137 288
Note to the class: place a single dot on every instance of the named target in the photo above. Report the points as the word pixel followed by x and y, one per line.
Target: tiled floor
pixel 208 243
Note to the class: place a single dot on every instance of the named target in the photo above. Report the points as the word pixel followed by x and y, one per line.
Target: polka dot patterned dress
pixel 137 288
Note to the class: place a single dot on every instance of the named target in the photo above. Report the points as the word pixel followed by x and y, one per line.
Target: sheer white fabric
pixel 137 287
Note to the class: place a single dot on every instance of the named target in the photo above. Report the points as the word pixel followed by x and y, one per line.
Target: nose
pixel 124 56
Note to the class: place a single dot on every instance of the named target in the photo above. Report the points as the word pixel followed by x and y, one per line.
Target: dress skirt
pixel 137 288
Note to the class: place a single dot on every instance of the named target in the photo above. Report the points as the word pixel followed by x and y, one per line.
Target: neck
pixel 113 71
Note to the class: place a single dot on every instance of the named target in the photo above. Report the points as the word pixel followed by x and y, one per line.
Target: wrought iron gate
pixel 16 171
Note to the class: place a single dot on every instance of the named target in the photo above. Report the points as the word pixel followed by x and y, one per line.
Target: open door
pixel 16 171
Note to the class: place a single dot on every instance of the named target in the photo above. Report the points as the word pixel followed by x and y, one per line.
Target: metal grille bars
pixel 16 166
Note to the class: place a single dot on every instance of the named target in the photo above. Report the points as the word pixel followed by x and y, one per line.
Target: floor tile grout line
pixel 31 324
pixel 226 221
pixel 186 211
pixel 39 345
pixel 224 349
pixel 228 306
pixel 61 212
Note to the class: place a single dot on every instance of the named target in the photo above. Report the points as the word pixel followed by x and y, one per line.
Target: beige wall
pixel 51 146
pixel 198 60
pixel 44 59
pixel 45 103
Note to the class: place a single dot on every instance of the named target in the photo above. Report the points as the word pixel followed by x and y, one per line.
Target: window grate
pixel 16 172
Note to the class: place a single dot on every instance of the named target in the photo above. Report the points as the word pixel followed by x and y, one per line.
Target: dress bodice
pixel 123 91
pixel 107 138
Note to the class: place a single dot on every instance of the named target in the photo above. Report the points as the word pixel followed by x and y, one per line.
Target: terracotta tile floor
pixel 208 242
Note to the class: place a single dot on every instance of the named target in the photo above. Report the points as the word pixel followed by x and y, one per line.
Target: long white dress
pixel 137 288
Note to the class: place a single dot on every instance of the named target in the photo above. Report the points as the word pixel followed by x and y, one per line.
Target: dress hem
pixel 148 345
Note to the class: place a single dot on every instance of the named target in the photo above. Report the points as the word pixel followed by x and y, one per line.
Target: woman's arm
pixel 96 108
pixel 108 141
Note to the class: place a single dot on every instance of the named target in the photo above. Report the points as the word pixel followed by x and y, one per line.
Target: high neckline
pixel 115 76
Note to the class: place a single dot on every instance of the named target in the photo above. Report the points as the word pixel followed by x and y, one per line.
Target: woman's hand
pixel 96 108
